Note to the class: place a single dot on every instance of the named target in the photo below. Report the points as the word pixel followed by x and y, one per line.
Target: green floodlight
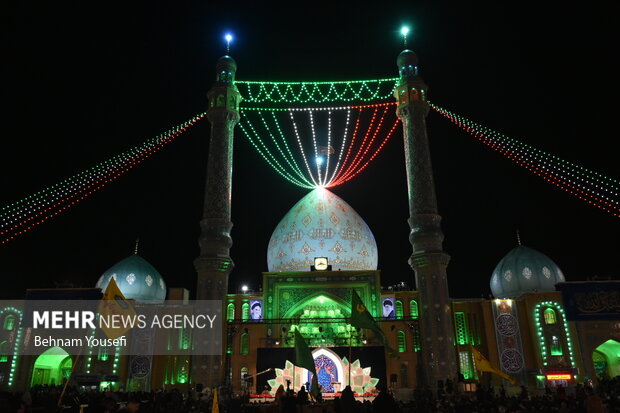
pixel 404 31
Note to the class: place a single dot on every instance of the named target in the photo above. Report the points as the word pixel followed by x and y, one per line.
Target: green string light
pixel 593 175
pixel 589 186
pixel 316 92
pixel 287 156
pixel 274 164
pixel 538 315
pixel 49 202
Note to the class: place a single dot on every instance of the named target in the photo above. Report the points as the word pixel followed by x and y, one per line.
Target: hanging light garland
pixel 316 92
pixel 589 186
pixel 320 170
pixel 23 215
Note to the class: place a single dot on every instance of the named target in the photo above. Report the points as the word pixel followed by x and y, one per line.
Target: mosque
pixel 538 329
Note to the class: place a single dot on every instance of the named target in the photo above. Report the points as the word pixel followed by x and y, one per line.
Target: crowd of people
pixel 605 397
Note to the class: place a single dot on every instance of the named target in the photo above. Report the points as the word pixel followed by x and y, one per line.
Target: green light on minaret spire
pixel 404 31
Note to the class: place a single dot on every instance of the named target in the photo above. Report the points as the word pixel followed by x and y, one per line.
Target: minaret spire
pixel 428 259
pixel 214 264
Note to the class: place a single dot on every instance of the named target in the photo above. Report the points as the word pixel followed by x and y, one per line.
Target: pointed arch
pixel 549 316
pixel 399 309
pixel 230 312
pixel 244 344
pixel 344 307
pixel 413 309
pixel 245 312
pixel 401 340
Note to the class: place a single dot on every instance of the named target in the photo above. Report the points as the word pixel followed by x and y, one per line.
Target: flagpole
pixel 75 363
pixel 350 354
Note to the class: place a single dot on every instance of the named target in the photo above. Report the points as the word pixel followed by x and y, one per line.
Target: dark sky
pixel 82 83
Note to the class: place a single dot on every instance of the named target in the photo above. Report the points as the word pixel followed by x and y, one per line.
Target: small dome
pixel 226 63
pixel 137 280
pixel 322 225
pixel 407 58
pixel 524 270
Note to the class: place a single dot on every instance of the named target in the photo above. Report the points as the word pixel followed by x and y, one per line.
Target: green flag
pixel 361 318
pixel 303 358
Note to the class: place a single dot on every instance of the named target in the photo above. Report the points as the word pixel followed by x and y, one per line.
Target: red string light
pixel 88 189
pixel 545 167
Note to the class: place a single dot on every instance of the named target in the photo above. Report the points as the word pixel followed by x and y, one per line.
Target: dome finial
pixel 135 251
pixel 518 237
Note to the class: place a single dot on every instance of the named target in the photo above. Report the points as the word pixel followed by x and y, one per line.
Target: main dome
pixel 524 270
pixel 322 225
pixel 137 280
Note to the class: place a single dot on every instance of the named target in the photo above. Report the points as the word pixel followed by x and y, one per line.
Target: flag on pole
pixel 482 364
pixel 114 303
pixel 303 358
pixel 361 318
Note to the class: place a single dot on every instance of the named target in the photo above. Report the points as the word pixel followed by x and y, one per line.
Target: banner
pixel 593 300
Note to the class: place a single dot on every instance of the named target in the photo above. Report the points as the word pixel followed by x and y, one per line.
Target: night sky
pixel 81 84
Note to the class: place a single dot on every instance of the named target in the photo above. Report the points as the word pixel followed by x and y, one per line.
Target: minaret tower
pixel 428 260
pixel 214 263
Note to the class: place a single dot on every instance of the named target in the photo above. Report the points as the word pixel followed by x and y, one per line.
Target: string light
pixel 329 143
pixel 22 216
pixel 16 343
pixel 344 144
pixel 320 169
pixel 589 186
pixel 317 92
pixel 374 155
pixel 538 315
pixel 316 152
pixel 266 154
pixel 301 148
pixel 367 147
pixel 357 123
pixel 290 161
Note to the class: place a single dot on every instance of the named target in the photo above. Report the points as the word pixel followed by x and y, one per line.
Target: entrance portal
pixel 52 367
pixel 606 359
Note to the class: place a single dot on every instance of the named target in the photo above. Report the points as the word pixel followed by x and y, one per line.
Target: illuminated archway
pixel 329 369
pixel 52 367
pixel 320 302
pixel 606 358
pixel 322 321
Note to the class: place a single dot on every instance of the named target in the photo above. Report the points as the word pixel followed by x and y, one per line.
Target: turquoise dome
pixel 524 270
pixel 322 225
pixel 137 280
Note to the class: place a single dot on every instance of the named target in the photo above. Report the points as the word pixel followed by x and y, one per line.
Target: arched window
pixel 4 351
pixel 402 341
pixel 245 344
pixel 413 308
pixel 245 311
pixel 399 309
pixel 549 315
pixel 244 372
pixel 556 346
pixel 230 312
pixel 9 322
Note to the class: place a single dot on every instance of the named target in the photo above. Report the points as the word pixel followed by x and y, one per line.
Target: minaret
pixel 214 263
pixel 428 260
